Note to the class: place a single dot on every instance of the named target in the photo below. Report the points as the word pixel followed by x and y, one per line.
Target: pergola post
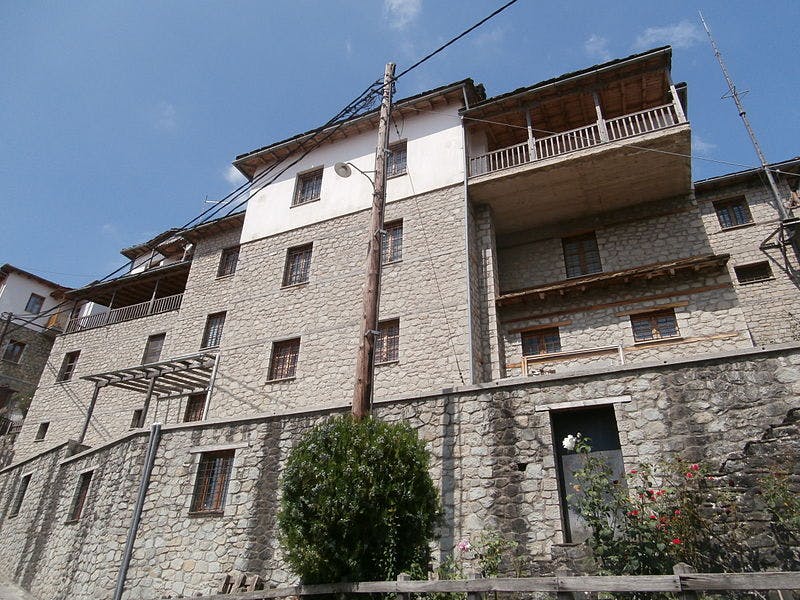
pixel 207 404
pixel 147 398
pixel 89 412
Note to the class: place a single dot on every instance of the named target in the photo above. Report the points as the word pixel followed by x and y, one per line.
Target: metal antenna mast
pixel 734 93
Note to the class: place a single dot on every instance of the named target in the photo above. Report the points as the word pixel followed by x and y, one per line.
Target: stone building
pixel 548 267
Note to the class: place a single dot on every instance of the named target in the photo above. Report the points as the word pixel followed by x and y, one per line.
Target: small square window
pixel 733 212
pixel 195 405
pixel 81 492
pixel 392 242
pixel 20 495
pixel 212 334
pixel 34 305
pixel 153 347
pixel 540 341
pixel 136 418
pixel 283 364
pixel 654 326
pixel 581 255
pixel 298 265
pixel 387 342
pixel 227 262
pixel 308 188
pixel 211 485
pixel 42 431
pixel 13 351
pixel 68 366
pixel 397 161
pixel 753 272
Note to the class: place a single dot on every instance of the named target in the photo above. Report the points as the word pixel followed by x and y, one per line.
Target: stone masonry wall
pixel 24 376
pixel 493 459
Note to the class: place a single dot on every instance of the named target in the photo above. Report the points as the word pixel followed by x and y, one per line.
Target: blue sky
pixel 117 119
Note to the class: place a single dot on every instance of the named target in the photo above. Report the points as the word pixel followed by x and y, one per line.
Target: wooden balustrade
pixel 126 313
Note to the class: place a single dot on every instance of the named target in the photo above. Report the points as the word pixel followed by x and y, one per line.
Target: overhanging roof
pixel 136 287
pixel 7 269
pixel 182 375
pixel 703 185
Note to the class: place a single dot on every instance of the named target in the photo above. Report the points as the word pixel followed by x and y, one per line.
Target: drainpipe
pixel 155 437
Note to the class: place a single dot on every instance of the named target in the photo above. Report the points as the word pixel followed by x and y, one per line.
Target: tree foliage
pixel 358 502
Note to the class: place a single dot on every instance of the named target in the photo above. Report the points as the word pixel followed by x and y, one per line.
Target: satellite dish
pixel 342 169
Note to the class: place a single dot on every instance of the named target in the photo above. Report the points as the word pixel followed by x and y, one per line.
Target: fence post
pixel 403 595
pixel 474 595
pixel 563 595
pixel 684 569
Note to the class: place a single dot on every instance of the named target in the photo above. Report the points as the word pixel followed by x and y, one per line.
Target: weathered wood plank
pixel 619 583
pixel 782 580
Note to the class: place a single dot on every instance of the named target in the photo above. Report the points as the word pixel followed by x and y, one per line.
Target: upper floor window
pixel 13 351
pixel 308 187
pixel 212 334
pixel 41 433
pixel 392 242
pixel 283 364
pixel 581 255
pixel 654 325
pixel 387 342
pixel 81 492
pixel 195 405
pixel 68 365
pixel 753 272
pixel 153 347
pixel 541 341
pixel 733 212
pixel 227 262
pixel 20 495
pixel 298 265
pixel 211 485
pixel 34 304
pixel 398 159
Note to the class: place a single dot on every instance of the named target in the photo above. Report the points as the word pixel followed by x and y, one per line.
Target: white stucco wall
pixel 14 295
pixel 435 159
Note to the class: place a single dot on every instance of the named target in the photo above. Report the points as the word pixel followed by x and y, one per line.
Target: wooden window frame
pixel 228 260
pixel 148 349
pixel 13 351
pixel 727 215
pixel 297 268
pixel 655 328
pixel 38 303
pixel 191 413
pixel 311 178
pixel 395 166
pixel 745 273
pixel 19 494
pixel 392 242
pixel 543 344
pixel 588 259
pixel 387 342
pixel 211 482
pixel 80 496
pixel 68 365
pixel 284 359
pixel 212 333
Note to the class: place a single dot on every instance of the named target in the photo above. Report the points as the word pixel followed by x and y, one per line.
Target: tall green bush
pixel 358 502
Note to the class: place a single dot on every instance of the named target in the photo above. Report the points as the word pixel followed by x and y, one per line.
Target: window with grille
pixel 68 366
pixel 298 265
pixel 387 342
pixel 753 272
pixel 153 347
pixel 540 341
pixel 136 418
pixel 581 255
pixel 654 326
pixel 213 475
pixel 13 351
pixel 284 359
pixel 733 212
pixel 308 188
pixel 81 492
pixel 227 262
pixel 398 159
pixel 20 495
pixel 212 335
pixel 42 431
pixel 34 304
pixel 194 408
pixel 392 242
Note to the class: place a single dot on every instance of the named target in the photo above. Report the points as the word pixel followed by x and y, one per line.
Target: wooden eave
pixel 161 240
pixel 218 226
pixel 614 278
pixel 136 287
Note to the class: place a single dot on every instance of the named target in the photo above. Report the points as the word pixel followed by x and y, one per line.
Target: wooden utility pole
pixel 369 315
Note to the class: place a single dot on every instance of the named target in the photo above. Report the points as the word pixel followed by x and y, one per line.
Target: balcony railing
pixel 581 138
pixel 126 313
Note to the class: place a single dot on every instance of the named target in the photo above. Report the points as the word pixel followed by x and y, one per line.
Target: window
pixel 751 273
pixel 213 474
pixel 387 342
pixel 298 265
pixel 20 495
pixel 42 431
pixel 581 256
pixel 654 325
pixel 308 188
pixel 284 359
pixel 212 335
pixel 398 159
pixel 152 349
pixel 195 405
pixel 136 418
pixel 13 351
pixel 392 242
pixel 68 366
pixel 79 500
pixel 541 341
pixel 34 304
pixel 227 262
pixel 733 212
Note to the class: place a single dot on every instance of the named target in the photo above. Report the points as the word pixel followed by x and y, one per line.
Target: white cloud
pixel 701 146
pixel 401 13
pixel 109 230
pixel 233 176
pixel 679 35
pixel 597 47
pixel 348 47
pixel 490 37
pixel 165 117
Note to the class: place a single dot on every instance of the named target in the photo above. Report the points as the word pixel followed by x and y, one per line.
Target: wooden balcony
pixel 126 313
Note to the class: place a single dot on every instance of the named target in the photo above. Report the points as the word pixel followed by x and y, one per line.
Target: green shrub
pixel 358 503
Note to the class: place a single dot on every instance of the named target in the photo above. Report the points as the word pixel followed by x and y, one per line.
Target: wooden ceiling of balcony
pixel 136 287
